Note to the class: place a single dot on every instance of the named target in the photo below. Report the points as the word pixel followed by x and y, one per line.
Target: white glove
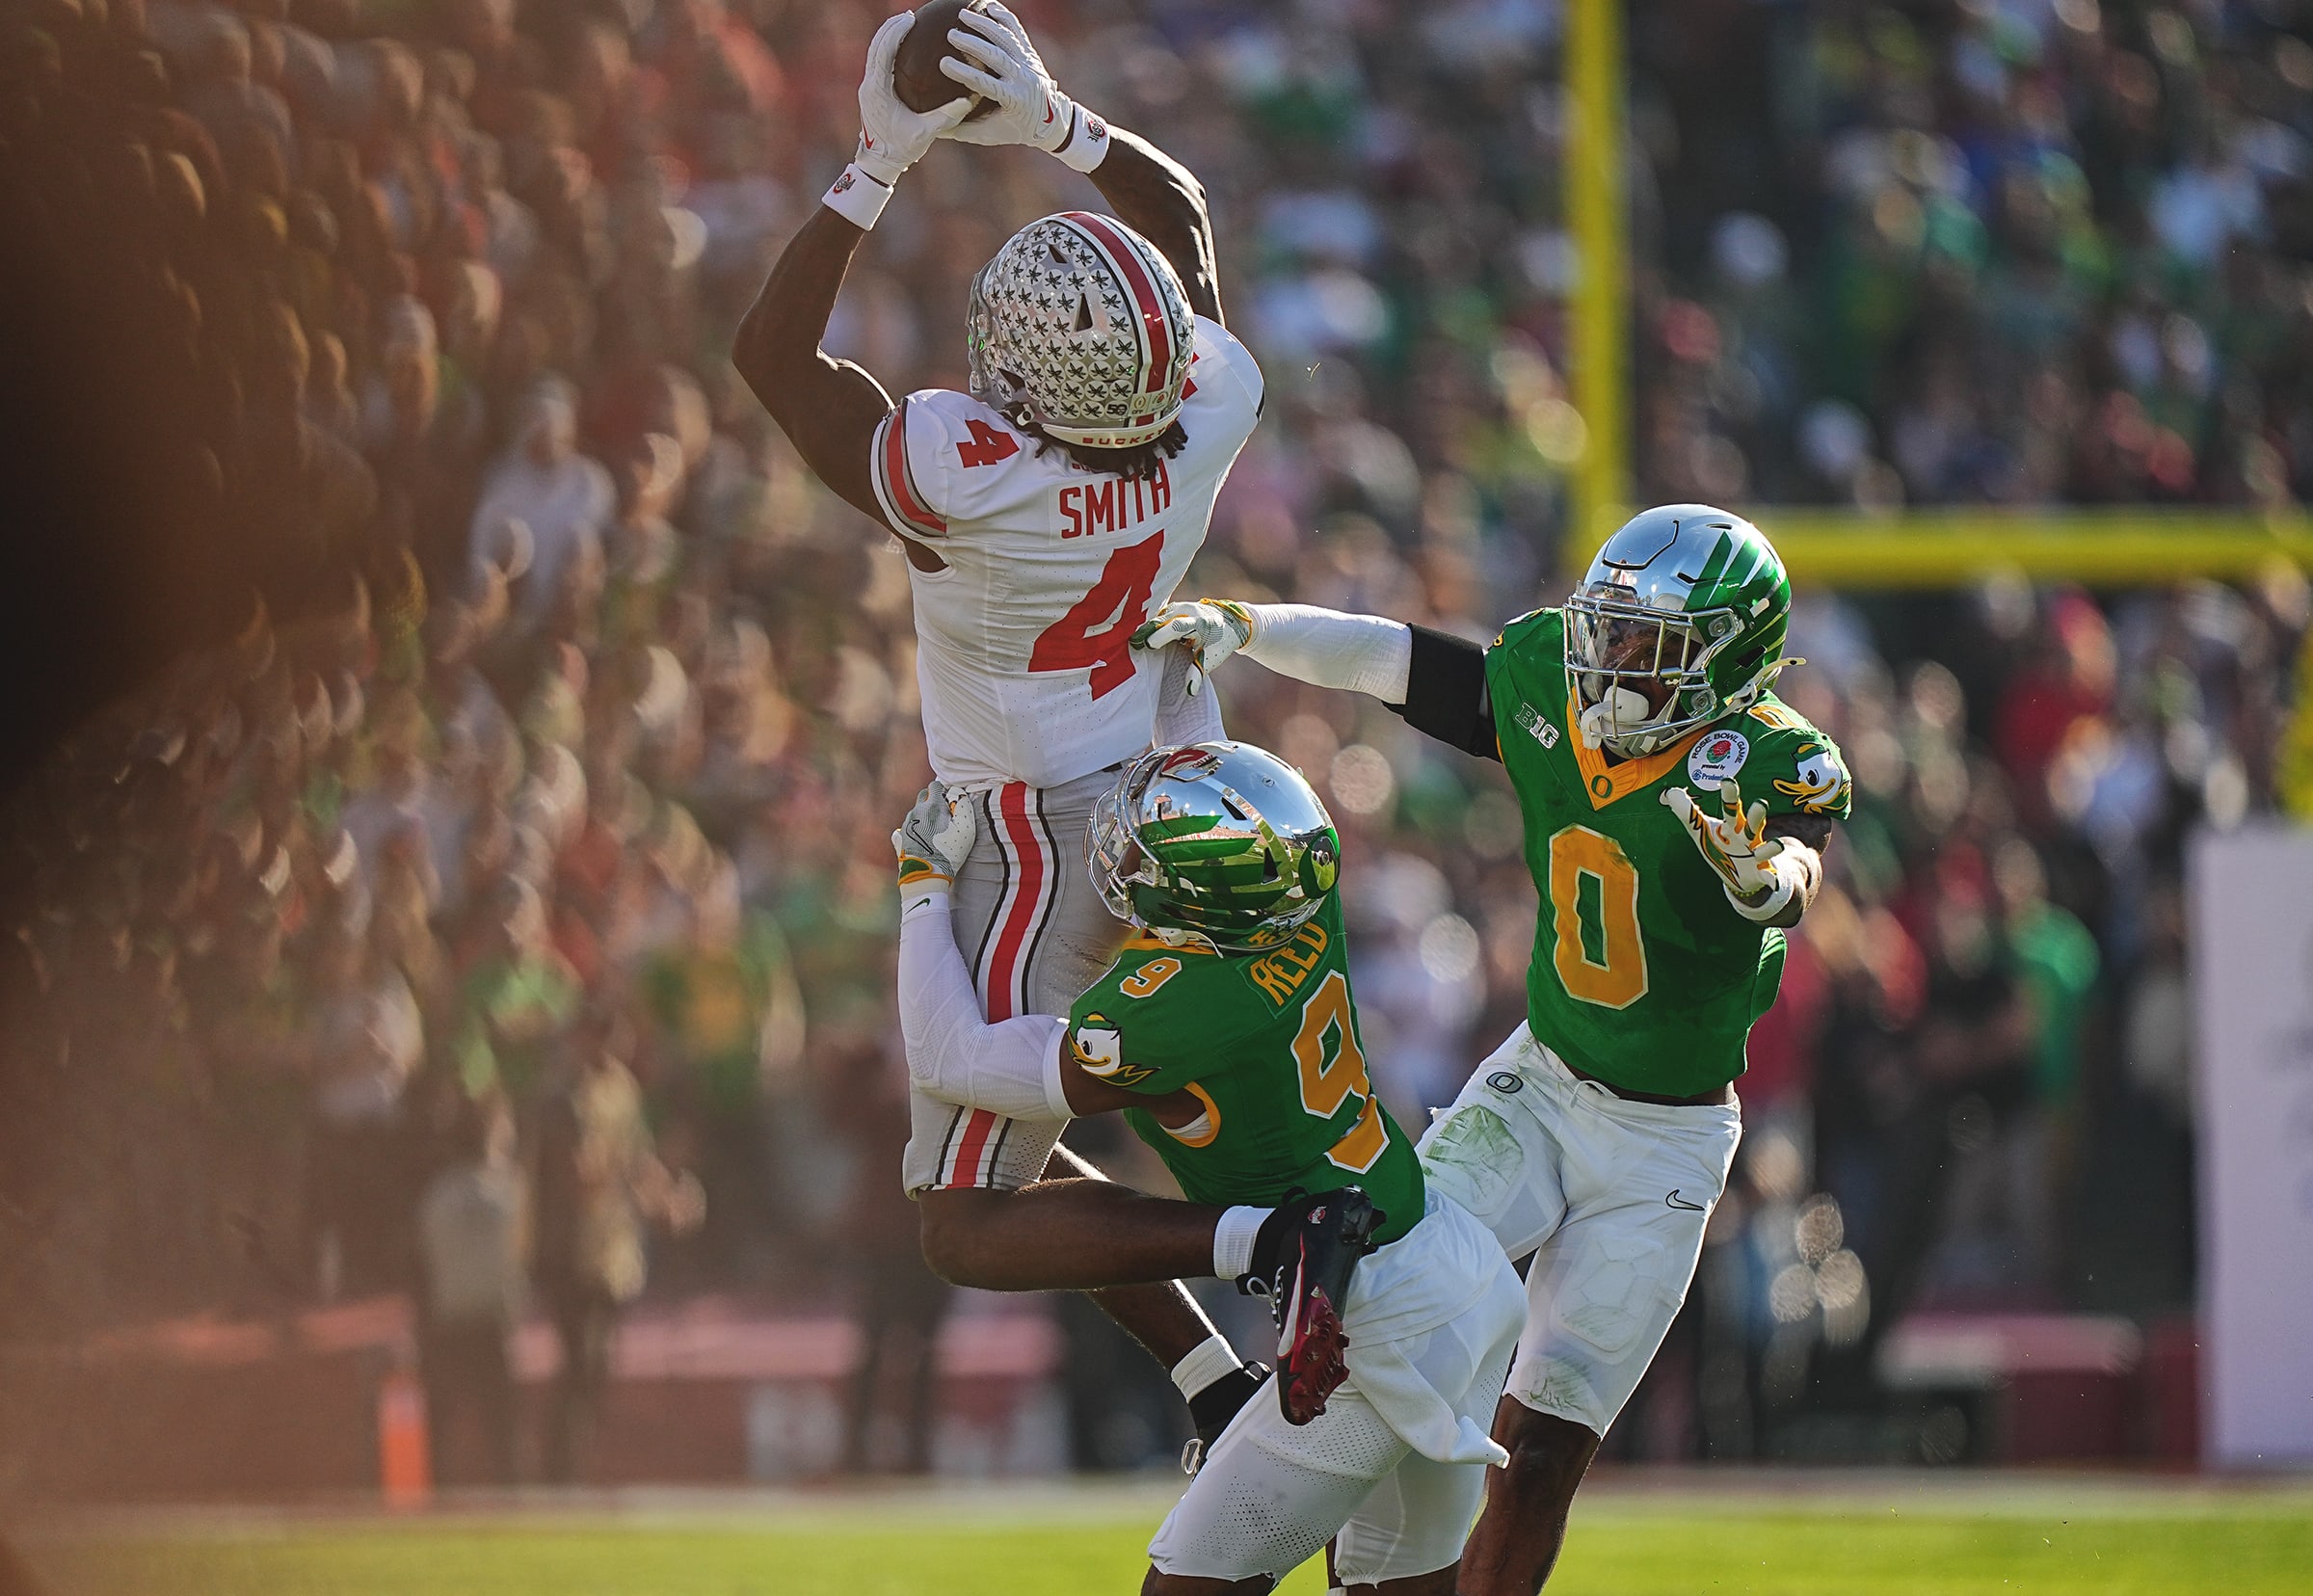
pixel 1002 65
pixel 1734 843
pixel 1211 629
pixel 932 843
pixel 891 137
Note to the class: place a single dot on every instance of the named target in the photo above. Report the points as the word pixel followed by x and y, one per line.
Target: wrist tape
pixel 1087 145
pixel 1795 869
pixel 856 197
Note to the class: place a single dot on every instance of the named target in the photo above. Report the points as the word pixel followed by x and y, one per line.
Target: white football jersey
pixel 1023 643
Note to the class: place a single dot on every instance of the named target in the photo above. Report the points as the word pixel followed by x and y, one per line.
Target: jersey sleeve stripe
pixel 894 480
pixel 1150 308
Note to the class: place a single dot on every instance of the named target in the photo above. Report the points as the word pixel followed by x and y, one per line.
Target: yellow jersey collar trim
pixel 1606 783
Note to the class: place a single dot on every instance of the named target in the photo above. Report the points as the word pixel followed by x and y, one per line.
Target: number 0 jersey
pixel 1267 1043
pixel 1643 974
pixel 1023 651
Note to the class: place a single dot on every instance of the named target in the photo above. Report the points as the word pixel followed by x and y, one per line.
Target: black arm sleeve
pixel 1446 693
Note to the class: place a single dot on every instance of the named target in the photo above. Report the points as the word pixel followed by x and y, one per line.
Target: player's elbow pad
pixel 1446 692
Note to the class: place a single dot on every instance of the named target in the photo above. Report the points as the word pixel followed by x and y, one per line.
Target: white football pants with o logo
pixel 1612 1198
pixel 1393 1471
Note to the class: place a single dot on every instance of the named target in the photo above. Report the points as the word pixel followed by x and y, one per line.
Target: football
pixel 917 76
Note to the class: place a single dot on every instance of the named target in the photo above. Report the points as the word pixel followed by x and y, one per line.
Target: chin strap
pixel 1174 936
pixel 1620 706
pixel 1767 677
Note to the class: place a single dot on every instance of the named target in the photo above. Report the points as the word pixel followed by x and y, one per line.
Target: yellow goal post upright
pixel 1828 546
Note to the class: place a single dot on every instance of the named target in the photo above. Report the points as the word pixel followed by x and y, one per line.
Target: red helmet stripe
pixel 1145 297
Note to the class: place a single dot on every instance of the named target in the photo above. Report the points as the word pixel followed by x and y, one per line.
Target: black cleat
pixel 1212 1409
pixel 1302 1260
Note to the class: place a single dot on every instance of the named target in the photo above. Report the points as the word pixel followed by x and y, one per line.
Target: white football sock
pixel 1233 1240
pixel 1208 1360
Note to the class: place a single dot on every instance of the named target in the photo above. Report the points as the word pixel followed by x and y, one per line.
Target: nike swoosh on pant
pixel 1677 1202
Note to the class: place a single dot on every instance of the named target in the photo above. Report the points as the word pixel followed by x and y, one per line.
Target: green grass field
pixel 1904 1537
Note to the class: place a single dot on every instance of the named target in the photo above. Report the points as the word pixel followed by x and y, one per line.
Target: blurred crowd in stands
pixel 517 870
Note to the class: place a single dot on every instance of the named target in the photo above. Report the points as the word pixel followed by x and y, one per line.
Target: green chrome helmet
pixel 1680 620
pixel 1218 842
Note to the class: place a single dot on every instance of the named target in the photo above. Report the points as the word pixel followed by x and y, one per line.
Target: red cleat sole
pixel 1313 1367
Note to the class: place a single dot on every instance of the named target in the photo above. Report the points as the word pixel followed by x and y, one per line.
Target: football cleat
pixel 1302 1260
pixel 1212 1409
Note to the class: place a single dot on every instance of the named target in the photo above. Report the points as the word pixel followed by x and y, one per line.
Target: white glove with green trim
pixel 1734 842
pixel 932 843
pixel 1211 629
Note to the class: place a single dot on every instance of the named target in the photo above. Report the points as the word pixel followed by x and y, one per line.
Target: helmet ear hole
pixel 1320 868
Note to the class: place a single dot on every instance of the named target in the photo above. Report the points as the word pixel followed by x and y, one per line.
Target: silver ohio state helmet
pixel 1080 326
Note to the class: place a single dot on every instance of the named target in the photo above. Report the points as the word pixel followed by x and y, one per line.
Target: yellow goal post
pixel 2133 545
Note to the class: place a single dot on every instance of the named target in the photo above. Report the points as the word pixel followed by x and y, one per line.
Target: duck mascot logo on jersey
pixel 1100 1049
pixel 1822 782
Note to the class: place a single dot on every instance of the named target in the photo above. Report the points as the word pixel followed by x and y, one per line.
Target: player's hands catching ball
pixel 1734 842
pixel 931 843
pixel 891 137
pixel 1211 629
pixel 1001 64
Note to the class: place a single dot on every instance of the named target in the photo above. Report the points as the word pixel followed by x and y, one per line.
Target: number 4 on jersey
pixel 986 445
pixel 1097 629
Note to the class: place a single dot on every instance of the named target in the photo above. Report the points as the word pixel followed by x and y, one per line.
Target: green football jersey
pixel 1267 1043
pixel 1643 974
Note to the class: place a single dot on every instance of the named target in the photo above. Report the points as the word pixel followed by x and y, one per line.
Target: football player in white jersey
pixel 1045 516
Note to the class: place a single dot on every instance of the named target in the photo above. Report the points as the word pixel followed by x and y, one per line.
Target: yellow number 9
pixel 1144 982
pixel 1328 1082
